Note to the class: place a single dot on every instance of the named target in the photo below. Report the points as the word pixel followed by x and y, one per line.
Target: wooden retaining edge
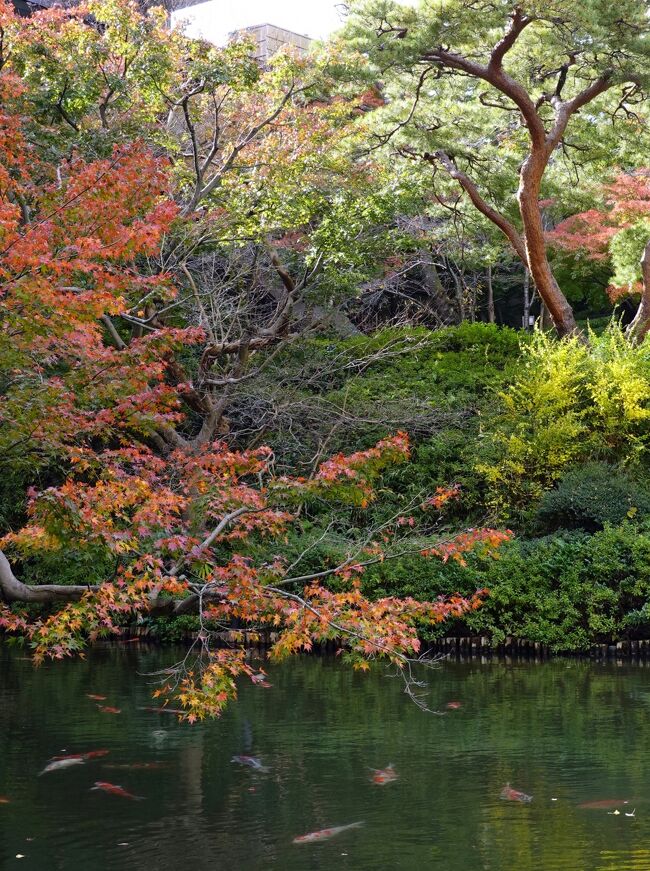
pixel 451 646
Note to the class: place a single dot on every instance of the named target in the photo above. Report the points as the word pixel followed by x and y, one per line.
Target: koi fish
pixel 137 766
pixel 68 756
pixel 4 800
pixel 91 754
pixel 106 709
pixel 112 789
pixel 260 680
pixel 454 706
pixel 251 761
pixel 56 764
pixel 95 697
pixel 381 776
pixel 604 804
pixel 95 754
pixel 325 834
pixel 163 710
pixel 510 794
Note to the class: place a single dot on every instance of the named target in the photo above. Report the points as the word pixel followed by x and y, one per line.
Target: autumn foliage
pixel 98 390
pixel 616 232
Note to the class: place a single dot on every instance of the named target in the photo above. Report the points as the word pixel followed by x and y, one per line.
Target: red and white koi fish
pixel 67 756
pixel 382 776
pixel 57 764
pixel 95 697
pixel 252 762
pixel 106 709
pixel 91 754
pixel 112 789
pixel 325 834
pixel 454 706
pixel 510 794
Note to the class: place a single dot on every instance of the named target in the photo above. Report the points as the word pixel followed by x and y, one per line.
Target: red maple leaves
pixel 174 516
pixel 626 202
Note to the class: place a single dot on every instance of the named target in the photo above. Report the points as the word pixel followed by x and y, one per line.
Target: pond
pixel 567 732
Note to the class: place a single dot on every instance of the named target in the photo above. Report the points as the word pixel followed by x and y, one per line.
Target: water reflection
pixel 568 733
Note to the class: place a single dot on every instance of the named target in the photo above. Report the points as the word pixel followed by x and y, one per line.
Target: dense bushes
pixel 568 591
pixel 550 437
pixel 590 496
pixel 546 436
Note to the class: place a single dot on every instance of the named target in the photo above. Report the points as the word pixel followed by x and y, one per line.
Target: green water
pixel 564 730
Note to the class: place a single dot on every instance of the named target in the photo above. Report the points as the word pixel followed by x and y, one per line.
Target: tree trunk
pixel 13 590
pixel 526 315
pixel 459 294
pixel 544 316
pixel 490 296
pixel 440 302
pixel 637 330
pixel 558 307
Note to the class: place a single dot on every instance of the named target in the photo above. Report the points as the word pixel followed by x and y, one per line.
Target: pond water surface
pixel 566 732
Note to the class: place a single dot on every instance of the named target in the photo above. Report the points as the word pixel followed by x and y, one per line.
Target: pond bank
pixel 462 646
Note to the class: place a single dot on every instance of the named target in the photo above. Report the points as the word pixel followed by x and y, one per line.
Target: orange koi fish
pixel 163 710
pixel 604 804
pixel 4 800
pixel 95 697
pixel 510 794
pixel 382 776
pixel 106 709
pixel 324 834
pixel 112 789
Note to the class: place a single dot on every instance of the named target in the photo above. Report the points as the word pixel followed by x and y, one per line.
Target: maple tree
pixel 98 423
pixel 279 220
pixel 618 231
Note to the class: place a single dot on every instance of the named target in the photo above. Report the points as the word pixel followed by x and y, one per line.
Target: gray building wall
pixel 268 39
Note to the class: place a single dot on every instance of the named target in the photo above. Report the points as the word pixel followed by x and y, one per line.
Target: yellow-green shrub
pixel 570 402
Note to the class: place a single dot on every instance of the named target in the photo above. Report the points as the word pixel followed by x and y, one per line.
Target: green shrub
pixel 569 591
pixel 172 629
pixel 590 496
